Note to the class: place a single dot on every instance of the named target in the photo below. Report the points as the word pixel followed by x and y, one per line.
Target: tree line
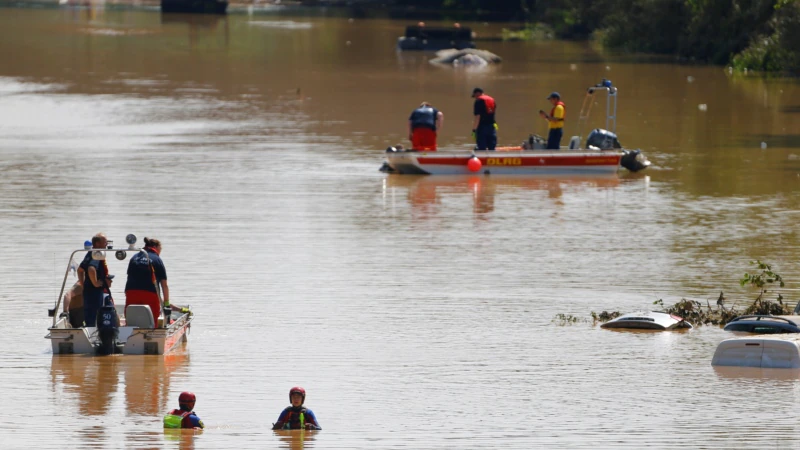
pixel 762 35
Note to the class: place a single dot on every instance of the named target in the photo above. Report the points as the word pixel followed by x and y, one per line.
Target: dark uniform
pixel 486 133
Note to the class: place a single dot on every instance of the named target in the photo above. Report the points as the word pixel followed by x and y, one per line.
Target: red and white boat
pixel 520 162
pixel 603 153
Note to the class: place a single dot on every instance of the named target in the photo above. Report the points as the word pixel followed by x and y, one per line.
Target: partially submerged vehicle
pixel 603 153
pixel 647 320
pixel 132 333
pixel 768 351
pixel 761 348
pixel 420 37
pixel 764 324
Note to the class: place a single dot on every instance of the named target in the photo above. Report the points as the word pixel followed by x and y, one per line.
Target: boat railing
pixel 121 254
pixel 611 106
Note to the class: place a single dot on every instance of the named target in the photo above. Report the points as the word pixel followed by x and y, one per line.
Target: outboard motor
pixel 603 139
pixel 107 327
pixel 634 160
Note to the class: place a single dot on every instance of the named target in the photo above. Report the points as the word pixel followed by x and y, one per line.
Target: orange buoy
pixel 474 164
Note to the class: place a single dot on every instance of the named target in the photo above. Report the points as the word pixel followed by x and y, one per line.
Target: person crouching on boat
pixel 555 121
pixel 93 275
pixel 145 277
pixel 184 416
pixel 423 125
pixel 297 416
pixel 73 305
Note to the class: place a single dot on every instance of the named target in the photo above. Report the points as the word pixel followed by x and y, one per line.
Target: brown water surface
pixel 417 311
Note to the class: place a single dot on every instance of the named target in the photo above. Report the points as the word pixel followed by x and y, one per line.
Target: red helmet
pixel 187 398
pixel 297 390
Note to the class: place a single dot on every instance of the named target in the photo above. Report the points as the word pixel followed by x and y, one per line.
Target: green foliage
pixel 605 316
pixel 762 35
pixel 778 50
pixel 761 281
pixel 652 26
pixel 529 32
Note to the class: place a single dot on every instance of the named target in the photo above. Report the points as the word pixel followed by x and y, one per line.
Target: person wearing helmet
pixel 184 417
pixel 297 416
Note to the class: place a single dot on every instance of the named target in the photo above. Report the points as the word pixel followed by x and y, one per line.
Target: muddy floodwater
pixel 418 312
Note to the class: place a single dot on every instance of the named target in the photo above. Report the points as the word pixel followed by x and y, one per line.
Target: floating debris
pixel 702 107
pixel 465 57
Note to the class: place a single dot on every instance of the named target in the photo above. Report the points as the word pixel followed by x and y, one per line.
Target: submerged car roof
pixel 764 324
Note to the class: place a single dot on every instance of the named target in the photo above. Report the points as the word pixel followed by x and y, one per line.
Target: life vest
pixel 553 111
pixel 424 117
pixel 487 115
pixel 175 418
pixel 295 420
pixel 490 104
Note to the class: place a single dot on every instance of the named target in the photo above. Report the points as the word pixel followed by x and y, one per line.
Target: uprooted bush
pixel 718 313
pixel 567 319
pixel 605 316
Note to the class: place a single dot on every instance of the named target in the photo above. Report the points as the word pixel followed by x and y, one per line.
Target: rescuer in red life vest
pixel 297 416
pixel 184 417
pixel 484 126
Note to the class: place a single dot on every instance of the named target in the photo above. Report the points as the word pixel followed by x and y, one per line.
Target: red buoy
pixel 474 164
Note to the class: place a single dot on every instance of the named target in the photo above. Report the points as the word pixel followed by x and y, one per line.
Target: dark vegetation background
pixel 761 35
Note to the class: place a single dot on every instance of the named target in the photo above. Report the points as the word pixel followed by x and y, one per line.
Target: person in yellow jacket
pixel 555 121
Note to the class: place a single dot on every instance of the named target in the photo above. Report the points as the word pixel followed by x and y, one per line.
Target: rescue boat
pixel 131 334
pixel 603 153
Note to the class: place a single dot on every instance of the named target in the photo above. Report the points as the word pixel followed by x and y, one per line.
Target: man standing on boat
pixel 484 127
pixel 146 275
pixel 93 274
pixel 555 121
pixel 423 125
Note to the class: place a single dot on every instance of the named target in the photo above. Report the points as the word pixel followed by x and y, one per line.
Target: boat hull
pixel 136 341
pixel 533 162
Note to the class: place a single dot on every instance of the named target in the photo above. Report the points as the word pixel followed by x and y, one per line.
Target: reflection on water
pixel 185 438
pixel 757 373
pixel 296 439
pixel 95 381
pixel 425 193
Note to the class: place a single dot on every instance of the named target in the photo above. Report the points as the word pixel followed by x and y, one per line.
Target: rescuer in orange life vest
pixel 555 121
pixel 184 417
pixel 423 125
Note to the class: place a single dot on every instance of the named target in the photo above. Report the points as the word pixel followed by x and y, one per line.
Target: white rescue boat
pixel 131 334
